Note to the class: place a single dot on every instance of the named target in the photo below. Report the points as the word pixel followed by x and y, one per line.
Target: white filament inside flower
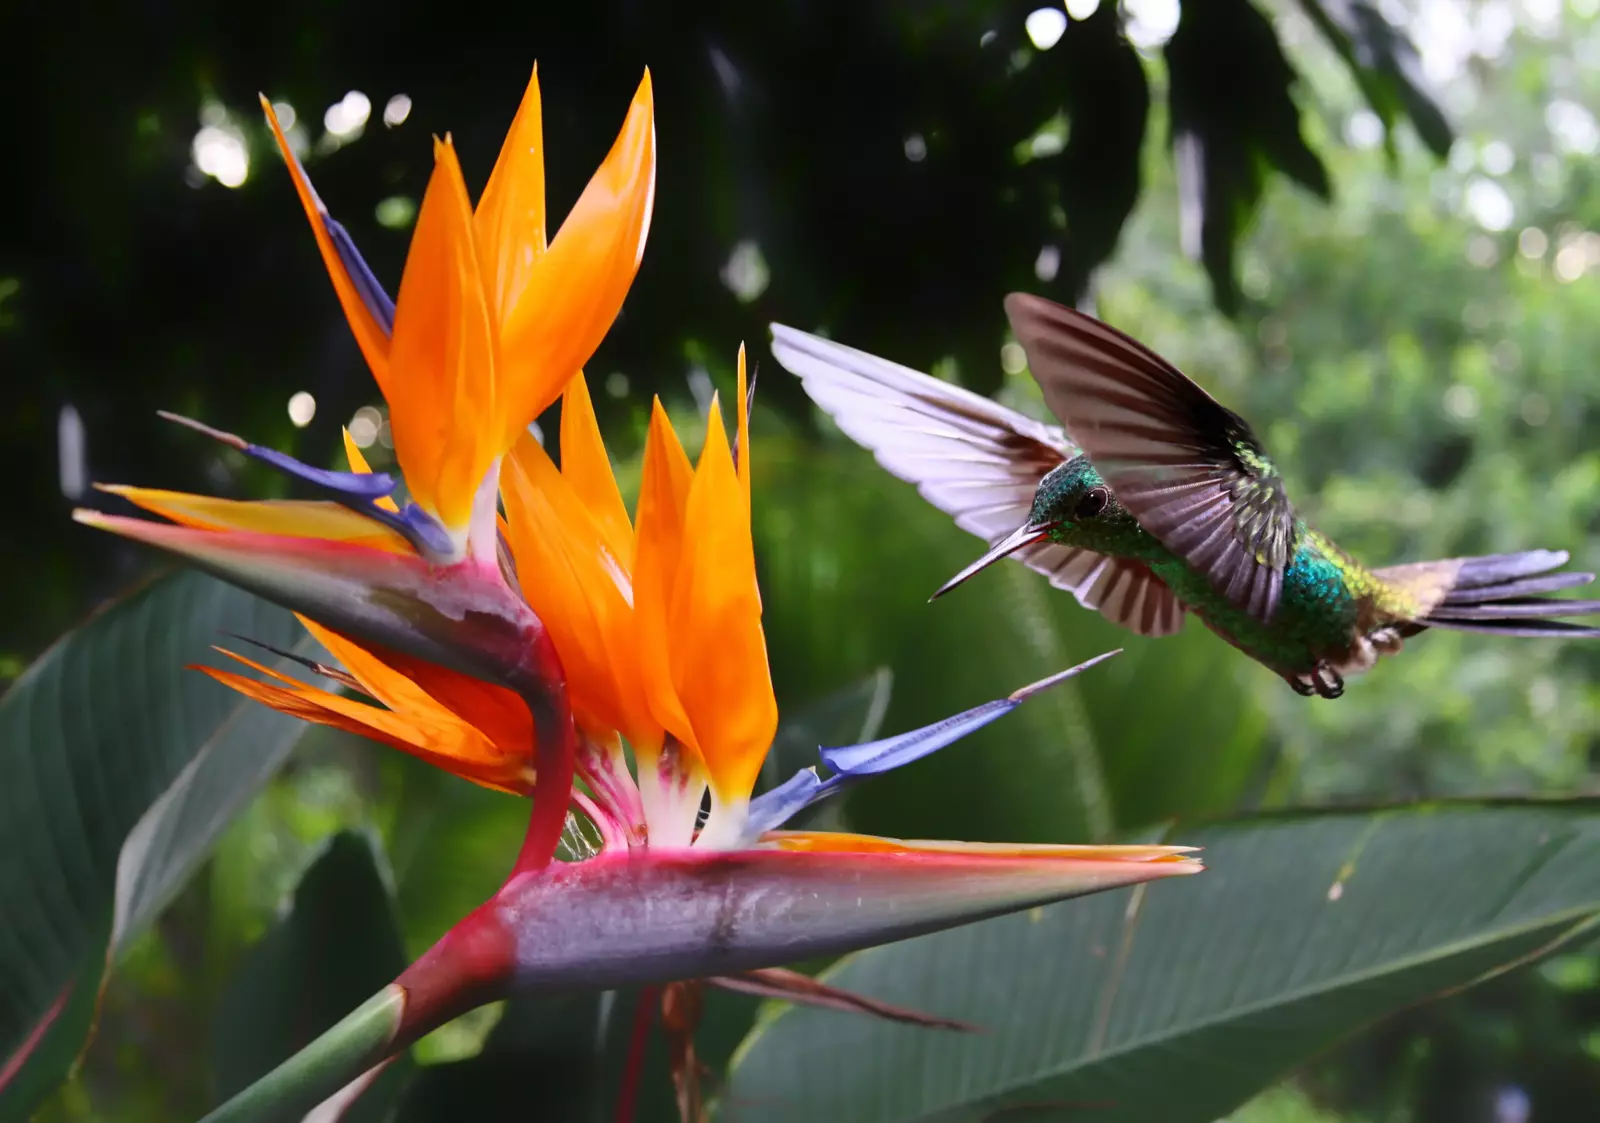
pixel 671 787
pixel 482 531
pixel 724 827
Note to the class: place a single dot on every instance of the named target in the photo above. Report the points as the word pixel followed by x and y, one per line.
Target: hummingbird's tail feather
pixel 1500 594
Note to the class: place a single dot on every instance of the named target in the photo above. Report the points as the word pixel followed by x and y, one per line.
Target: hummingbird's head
pixel 1072 496
pixel 1072 505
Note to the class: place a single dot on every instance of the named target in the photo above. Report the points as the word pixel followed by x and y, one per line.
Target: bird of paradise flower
pixel 538 651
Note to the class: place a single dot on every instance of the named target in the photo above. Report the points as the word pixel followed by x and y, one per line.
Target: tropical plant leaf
pixel 1179 1002
pixel 121 769
pixel 1233 121
pixel 338 944
pixel 1386 67
pixel 1100 82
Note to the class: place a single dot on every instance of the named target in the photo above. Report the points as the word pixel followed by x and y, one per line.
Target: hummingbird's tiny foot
pixel 1388 641
pixel 1302 685
pixel 1327 681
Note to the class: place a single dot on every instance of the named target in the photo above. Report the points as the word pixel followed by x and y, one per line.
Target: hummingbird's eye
pixel 1093 502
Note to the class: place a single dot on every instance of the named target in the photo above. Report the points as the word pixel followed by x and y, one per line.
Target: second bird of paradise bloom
pixel 531 652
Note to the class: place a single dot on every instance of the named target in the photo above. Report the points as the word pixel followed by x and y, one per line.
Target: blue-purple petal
pixel 874 757
pixel 358 491
pixel 364 487
pixel 774 808
pixel 367 284
pixel 771 810
pixel 880 756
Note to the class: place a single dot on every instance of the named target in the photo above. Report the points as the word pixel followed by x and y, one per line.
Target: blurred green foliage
pixel 1417 353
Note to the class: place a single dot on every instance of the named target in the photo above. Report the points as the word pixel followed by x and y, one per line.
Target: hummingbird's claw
pixel 1322 682
pixel 1328 682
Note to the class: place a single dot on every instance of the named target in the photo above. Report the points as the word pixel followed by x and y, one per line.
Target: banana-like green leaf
pixel 338 943
pixel 1178 1003
pixel 120 769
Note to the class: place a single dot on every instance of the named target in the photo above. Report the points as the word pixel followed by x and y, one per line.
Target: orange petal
pixel 509 222
pixel 358 463
pixel 415 687
pixel 663 500
pixel 581 592
pixel 574 292
pixel 377 678
pixel 495 711
pixel 370 335
pixel 297 518
pixel 585 465
pixel 719 656
pixel 454 746
pixel 441 384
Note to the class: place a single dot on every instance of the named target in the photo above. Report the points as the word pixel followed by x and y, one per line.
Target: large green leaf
pixel 1178 1002
pixel 339 944
pixel 121 769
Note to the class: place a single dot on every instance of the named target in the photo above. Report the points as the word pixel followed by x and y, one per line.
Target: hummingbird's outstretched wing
pixel 1189 470
pixel 975 460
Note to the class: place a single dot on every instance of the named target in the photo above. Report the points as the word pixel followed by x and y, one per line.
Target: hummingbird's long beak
pixel 1024 535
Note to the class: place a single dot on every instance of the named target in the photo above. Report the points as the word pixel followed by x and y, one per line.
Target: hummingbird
pixel 1152 501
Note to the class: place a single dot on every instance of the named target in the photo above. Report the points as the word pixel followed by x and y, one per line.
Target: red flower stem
pixel 541 682
pixel 470 965
pixel 644 1015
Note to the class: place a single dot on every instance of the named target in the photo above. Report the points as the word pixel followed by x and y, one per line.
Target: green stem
pixel 469 966
pixel 362 1039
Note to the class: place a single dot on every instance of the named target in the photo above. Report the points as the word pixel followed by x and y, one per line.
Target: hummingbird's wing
pixel 975 460
pixel 1189 469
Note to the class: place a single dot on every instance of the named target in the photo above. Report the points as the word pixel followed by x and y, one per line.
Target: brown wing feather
pixel 972 458
pixel 1189 470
